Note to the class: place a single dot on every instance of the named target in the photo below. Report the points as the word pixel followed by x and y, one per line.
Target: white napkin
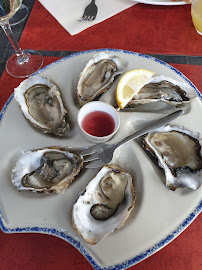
pixel 68 12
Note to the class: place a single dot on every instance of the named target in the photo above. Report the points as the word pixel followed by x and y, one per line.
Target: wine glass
pixel 24 62
pixel 20 15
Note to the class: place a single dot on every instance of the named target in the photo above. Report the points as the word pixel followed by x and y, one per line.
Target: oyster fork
pixel 103 153
pixel 90 12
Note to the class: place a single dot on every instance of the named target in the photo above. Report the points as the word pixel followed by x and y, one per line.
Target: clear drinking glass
pixel 19 16
pixel 24 62
pixel 196 13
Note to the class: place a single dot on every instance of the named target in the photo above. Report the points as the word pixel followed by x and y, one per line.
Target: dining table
pixel 160 31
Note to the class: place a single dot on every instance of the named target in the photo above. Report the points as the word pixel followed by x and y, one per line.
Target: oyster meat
pixel 105 205
pixel 41 103
pixel 164 89
pixel 178 152
pixel 97 76
pixel 46 170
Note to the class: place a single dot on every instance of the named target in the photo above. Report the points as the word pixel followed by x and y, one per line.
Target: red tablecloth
pixel 142 28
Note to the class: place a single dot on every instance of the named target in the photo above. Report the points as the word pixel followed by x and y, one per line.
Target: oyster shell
pixel 97 76
pixel 41 103
pixel 46 170
pixel 178 152
pixel 165 89
pixel 105 205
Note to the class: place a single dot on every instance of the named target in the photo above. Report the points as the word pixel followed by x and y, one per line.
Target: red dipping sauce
pixel 98 123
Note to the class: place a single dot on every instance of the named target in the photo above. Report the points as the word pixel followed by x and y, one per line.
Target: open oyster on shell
pixel 164 89
pixel 41 103
pixel 46 170
pixel 105 205
pixel 97 76
pixel 178 152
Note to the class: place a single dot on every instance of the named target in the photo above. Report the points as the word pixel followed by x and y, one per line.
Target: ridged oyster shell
pixel 41 103
pixel 46 170
pixel 105 205
pixel 164 89
pixel 97 76
pixel 178 152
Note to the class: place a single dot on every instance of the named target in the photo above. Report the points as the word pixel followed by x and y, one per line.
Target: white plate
pixel 159 215
pixel 162 2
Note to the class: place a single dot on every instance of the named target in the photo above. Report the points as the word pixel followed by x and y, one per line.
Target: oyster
pixel 46 170
pixel 178 152
pixel 41 103
pixel 105 205
pixel 165 89
pixel 97 76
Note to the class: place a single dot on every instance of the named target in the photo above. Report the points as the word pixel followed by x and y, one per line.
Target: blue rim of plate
pixel 159 3
pixel 70 239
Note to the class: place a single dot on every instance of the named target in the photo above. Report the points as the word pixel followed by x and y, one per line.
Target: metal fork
pixel 90 12
pixel 103 153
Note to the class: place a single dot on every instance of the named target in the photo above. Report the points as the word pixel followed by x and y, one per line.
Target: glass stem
pixel 21 57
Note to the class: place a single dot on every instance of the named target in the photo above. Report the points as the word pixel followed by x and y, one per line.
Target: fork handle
pixel 156 124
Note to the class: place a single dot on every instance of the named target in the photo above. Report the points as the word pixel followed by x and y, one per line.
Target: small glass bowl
pixel 98 106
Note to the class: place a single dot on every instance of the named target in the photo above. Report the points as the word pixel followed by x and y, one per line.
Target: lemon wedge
pixel 130 84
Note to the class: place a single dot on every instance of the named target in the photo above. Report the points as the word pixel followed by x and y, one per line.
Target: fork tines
pixel 90 12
